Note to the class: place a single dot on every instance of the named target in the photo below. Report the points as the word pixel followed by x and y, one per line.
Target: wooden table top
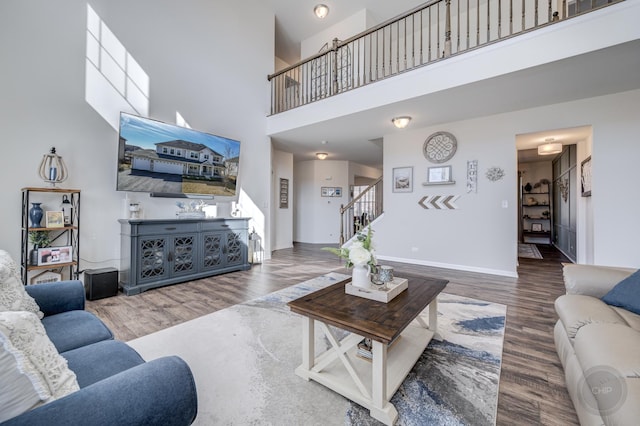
pixel 369 318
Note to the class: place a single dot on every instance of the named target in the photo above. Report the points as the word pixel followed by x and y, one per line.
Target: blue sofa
pixel 117 387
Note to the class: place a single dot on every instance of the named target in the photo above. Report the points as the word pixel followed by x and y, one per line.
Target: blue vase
pixel 35 215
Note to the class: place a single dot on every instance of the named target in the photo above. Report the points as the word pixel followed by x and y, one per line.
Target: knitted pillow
pixel 38 374
pixel 13 296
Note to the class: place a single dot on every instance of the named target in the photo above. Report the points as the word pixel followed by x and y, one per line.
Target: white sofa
pixel 599 347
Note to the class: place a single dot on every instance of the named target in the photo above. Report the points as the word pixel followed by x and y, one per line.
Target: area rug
pixel 243 360
pixel 530 251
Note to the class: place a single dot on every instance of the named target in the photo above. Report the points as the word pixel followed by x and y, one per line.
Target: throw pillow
pixel 27 353
pixel 626 294
pixel 13 296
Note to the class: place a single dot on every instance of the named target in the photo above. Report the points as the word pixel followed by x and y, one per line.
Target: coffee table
pixel 368 383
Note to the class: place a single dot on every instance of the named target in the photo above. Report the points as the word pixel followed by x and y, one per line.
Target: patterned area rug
pixel 529 251
pixel 243 359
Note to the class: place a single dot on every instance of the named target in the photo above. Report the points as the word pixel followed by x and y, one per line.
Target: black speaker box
pixel 100 283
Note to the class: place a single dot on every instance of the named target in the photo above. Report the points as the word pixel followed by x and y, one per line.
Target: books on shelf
pixel 365 348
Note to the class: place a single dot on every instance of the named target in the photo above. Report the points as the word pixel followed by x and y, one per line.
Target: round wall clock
pixel 440 147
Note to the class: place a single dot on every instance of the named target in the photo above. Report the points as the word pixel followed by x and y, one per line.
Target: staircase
pixel 363 209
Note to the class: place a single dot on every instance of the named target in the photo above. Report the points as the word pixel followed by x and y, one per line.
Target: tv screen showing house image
pixel 162 158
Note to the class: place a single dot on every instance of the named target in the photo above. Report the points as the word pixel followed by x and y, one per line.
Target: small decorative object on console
pixel 193 210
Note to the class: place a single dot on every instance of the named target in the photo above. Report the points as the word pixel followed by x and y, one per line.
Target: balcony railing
pixel 430 33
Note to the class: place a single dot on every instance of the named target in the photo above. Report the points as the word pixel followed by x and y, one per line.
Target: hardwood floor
pixel 532 389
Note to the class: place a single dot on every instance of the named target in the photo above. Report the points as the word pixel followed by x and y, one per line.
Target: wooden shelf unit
pixel 69 235
pixel 531 213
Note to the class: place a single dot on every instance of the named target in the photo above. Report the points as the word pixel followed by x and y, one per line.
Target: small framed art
pixel 54 255
pixel 439 176
pixel 54 219
pixel 585 177
pixel 402 179
pixel 284 193
pixel 536 227
pixel 331 191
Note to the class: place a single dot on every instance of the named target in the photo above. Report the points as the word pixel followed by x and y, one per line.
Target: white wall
pixel 360 170
pixel 282 229
pixel 481 235
pixel 179 46
pixel 317 218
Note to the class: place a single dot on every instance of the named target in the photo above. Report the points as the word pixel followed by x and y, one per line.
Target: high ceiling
pixel 295 20
pixel 358 137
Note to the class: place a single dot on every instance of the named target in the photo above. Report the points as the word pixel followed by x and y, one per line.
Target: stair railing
pixel 429 33
pixel 361 211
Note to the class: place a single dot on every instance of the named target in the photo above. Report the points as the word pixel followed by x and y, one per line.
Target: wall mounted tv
pixel 172 161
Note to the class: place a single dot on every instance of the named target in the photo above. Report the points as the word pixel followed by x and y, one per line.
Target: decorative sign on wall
pixel 494 174
pixel 585 177
pixel 439 202
pixel 472 176
pixel 440 147
pixel 331 191
pixel 284 193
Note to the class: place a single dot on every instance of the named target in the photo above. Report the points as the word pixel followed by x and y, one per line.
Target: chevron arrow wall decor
pixel 439 202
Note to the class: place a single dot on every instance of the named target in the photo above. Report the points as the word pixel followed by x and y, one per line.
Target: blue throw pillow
pixel 626 294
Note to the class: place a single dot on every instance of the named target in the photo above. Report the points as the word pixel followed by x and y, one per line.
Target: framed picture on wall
pixel 402 179
pixel 585 177
pixel 284 193
pixel 331 191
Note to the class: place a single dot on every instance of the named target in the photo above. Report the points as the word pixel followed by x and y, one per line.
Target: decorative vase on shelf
pixel 360 276
pixel 35 215
pixel 33 255
pixel 528 187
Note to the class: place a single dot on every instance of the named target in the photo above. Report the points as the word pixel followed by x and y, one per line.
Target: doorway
pixel 550 209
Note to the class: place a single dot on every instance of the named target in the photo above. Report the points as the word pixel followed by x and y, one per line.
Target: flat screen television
pixel 172 161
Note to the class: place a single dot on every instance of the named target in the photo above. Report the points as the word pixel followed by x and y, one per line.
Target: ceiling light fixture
pixel 401 122
pixel 321 155
pixel 549 148
pixel 321 11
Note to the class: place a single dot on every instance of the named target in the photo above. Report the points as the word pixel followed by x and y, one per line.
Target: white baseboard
pixel 511 274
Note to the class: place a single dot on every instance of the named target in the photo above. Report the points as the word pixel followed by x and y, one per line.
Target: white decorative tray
pixel 397 286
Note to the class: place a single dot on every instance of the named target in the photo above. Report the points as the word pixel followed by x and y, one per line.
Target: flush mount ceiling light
pixel 321 155
pixel 401 122
pixel 321 11
pixel 549 148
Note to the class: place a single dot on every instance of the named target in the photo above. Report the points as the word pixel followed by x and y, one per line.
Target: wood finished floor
pixel 532 389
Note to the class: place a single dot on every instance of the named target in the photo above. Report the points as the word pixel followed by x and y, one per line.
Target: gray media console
pixel 159 252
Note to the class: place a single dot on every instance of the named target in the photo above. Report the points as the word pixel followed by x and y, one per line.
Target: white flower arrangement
pixel 361 251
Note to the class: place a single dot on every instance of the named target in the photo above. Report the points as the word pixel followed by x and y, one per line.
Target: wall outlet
pixel 505 204
pixel 414 249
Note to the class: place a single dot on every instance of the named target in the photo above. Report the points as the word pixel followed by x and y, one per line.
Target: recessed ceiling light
pixel 321 11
